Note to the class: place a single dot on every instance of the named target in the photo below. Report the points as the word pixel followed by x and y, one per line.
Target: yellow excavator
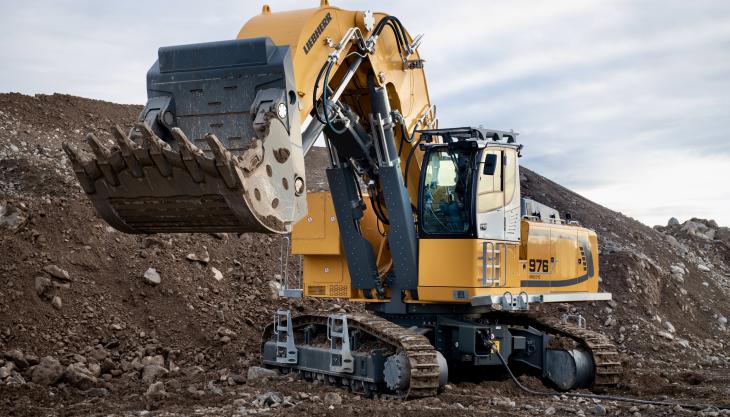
pixel 424 225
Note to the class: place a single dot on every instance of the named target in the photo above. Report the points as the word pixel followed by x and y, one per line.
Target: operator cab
pixel 469 184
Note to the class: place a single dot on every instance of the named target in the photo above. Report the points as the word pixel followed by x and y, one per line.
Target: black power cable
pixel 601 397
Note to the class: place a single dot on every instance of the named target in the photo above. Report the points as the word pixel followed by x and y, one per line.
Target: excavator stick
pixel 217 148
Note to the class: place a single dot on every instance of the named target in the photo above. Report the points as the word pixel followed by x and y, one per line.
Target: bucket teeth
pixel 127 147
pixel 156 147
pixel 103 159
pixel 84 167
pixel 223 161
pixel 188 152
pixel 99 149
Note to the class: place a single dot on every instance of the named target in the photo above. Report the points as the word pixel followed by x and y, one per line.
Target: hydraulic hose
pixel 408 160
pixel 601 397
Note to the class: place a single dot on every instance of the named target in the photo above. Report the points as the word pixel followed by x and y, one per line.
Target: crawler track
pixel 424 369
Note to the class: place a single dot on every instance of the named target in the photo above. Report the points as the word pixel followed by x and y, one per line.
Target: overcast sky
pixel 625 102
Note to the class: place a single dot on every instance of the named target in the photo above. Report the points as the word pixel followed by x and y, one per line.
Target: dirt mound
pixel 81 307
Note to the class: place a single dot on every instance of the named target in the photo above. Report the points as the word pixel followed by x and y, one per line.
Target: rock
pixel 703 268
pixel 723 235
pixel 156 391
pixel 332 398
pixel 257 372
pixel 151 373
pixel 95 392
pixel 56 302
pixel 549 411
pixel 80 377
pixel 599 410
pixel 7 370
pixel 670 328
pixel 722 320
pixel 95 369
pixel 218 275
pixel 684 343
pixel 673 222
pixel 17 357
pixel 666 335
pixel 12 218
pixel 267 399
pixel 158 360
pixel 676 270
pixel 44 287
pixel 236 379
pixel 148 242
pixel 56 272
pixel 203 259
pixel 214 388
pixel 274 287
pixel 48 372
pixel 152 277
pixel 99 354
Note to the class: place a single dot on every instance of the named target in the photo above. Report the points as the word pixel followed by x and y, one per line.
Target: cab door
pixel 490 196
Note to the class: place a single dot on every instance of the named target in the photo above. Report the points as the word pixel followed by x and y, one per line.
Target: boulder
pixel 79 376
pixel 151 373
pixel 257 372
pixel 673 222
pixel 48 372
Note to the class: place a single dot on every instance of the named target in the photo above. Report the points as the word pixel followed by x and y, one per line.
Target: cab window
pixel 445 198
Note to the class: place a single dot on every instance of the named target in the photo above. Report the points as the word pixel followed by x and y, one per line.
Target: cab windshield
pixel 445 199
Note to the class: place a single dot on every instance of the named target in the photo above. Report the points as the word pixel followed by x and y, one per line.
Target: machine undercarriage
pixel 411 356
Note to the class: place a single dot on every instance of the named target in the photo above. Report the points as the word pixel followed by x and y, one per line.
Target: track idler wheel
pixel 568 369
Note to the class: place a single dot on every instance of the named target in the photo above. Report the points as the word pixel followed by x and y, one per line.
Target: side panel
pixel 317 238
pixel 551 258
pixel 560 258
pixel 460 263
pixel 316 233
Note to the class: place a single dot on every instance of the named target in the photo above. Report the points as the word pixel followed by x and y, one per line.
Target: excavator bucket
pixel 217 148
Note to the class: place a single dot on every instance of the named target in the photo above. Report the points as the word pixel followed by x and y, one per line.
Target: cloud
pixel 626 102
